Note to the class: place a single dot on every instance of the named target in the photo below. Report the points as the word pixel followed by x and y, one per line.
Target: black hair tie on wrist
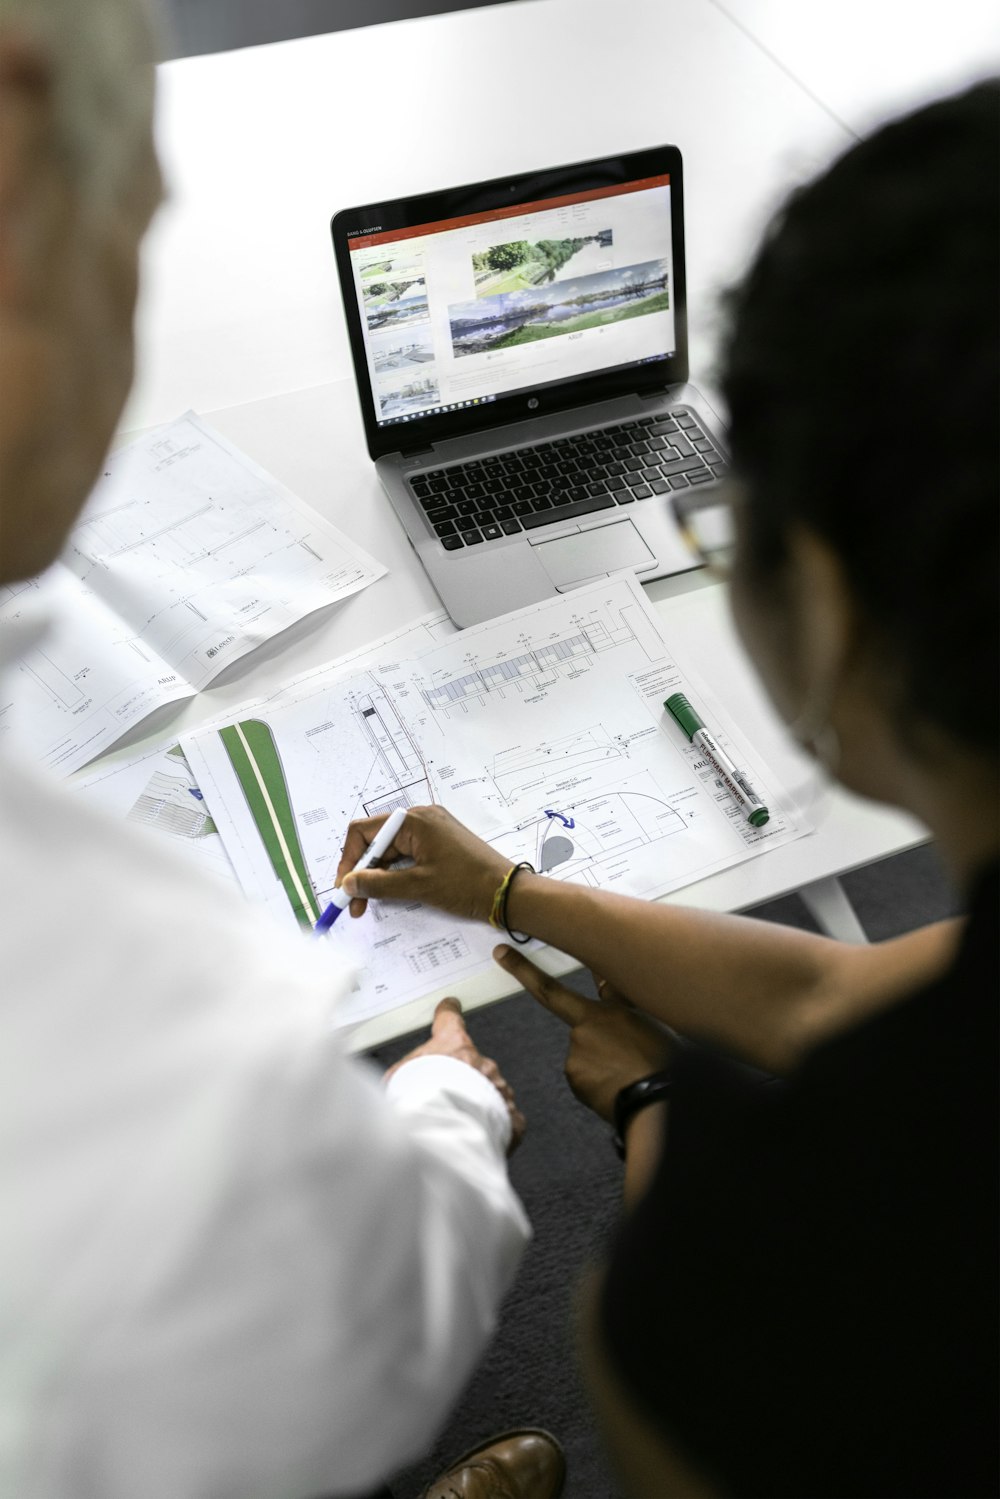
pixel 502 915
pixel 636 1096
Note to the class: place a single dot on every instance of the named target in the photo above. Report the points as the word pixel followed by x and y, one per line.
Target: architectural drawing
pixel 186 556
pixel 541 666
pixel 256 760
pixel 543 731
pixel 308 769
pixel 397 753
pixel 437 955
pixel 62 692
pixel 519 772
pixel 153 786
pixel 192 544
pixel 586 840
pixel 360 756
pixel 532 669
pixel 172 803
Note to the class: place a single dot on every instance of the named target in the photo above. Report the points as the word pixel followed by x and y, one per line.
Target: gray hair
pixel 102 53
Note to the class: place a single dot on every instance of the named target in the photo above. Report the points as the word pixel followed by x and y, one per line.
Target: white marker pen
pixel 340 900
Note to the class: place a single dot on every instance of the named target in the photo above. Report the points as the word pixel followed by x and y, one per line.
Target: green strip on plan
pixel 254 755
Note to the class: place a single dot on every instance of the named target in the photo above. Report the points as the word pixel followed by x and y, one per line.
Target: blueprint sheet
pixel 152 786
pixel 544 731
pixel 155 790
pixel 186 556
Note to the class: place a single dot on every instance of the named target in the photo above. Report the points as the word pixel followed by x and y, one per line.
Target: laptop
pixel 520 350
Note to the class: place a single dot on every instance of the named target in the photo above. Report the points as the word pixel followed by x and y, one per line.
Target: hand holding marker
pixel 735 781
pixel 340 900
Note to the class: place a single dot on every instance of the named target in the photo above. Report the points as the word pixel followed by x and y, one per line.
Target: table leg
pixel 828 905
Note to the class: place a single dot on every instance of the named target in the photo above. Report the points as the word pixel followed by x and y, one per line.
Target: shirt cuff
pixel 431 1079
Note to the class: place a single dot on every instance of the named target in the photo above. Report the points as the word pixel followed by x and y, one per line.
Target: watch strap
pixel 636 1096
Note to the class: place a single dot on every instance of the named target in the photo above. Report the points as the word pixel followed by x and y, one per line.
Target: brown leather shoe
pixel 523 1464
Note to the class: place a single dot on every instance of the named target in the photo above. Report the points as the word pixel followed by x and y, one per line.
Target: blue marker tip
pixel 328 917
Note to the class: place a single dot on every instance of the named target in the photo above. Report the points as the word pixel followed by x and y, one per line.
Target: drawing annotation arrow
pixel 567 822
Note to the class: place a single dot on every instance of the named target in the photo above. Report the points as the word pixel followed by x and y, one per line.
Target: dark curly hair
pixel 861 374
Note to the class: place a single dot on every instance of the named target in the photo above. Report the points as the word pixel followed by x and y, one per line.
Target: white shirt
pixel 231 1263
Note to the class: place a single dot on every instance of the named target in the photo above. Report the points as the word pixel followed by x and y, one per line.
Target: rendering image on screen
pixel 465 310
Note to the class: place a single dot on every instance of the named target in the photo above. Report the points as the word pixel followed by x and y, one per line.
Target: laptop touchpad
pixel 570 560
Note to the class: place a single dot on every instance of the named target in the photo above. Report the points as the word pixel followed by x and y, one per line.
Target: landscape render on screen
pixel 464 310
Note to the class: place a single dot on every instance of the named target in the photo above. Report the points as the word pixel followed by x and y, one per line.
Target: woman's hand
pixel 452 868
pixel 610 1043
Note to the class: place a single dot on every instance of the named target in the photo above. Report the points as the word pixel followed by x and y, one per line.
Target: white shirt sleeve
pixel 307 1287
pixel 432 1088
pixel 233 1263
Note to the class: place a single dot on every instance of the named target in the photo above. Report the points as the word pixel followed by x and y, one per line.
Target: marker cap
pixel 678 707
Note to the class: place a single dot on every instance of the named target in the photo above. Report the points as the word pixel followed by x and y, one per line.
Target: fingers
pixel 447 1019
pixel 492 1072
pixel 359 835
pixel 452 868
pixel 566 1003
pixel 382 884
pixel 518 1125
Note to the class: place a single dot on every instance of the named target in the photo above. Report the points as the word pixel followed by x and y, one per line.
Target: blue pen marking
pixel 567 822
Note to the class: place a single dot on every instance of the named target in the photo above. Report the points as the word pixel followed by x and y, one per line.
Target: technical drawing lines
pixel 435 955
pixel 540 664
pixel 10 591
pixel 588 833
pixel 231 541
pixel 116 543
pixel 396 752
pixel 413 795
pixel 535 663
pixel 637 624
pixel 393 743
pixel 169 802
pixel 47 675
pixel 516 772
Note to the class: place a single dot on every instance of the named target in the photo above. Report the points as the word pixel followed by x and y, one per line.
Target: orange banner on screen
pixel 393 236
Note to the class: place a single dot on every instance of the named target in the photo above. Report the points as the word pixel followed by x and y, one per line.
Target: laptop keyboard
pixel 521 489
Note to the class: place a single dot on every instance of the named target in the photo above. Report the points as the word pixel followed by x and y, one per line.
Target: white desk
pixel 306 437
pixel 241 318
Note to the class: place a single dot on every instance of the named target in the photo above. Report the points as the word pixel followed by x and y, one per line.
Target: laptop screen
pixel 493 300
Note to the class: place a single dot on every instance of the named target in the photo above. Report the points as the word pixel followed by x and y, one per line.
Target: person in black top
pixel 802 1298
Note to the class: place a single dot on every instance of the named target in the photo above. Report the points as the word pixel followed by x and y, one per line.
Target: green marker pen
pixel 735 781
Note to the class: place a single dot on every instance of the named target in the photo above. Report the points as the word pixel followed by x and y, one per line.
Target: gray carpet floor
pixel 570 1181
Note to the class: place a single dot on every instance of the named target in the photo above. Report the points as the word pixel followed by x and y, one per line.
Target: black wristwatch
pixel 635 1096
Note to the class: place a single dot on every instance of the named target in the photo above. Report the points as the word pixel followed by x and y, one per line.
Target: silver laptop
pixel 520 348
